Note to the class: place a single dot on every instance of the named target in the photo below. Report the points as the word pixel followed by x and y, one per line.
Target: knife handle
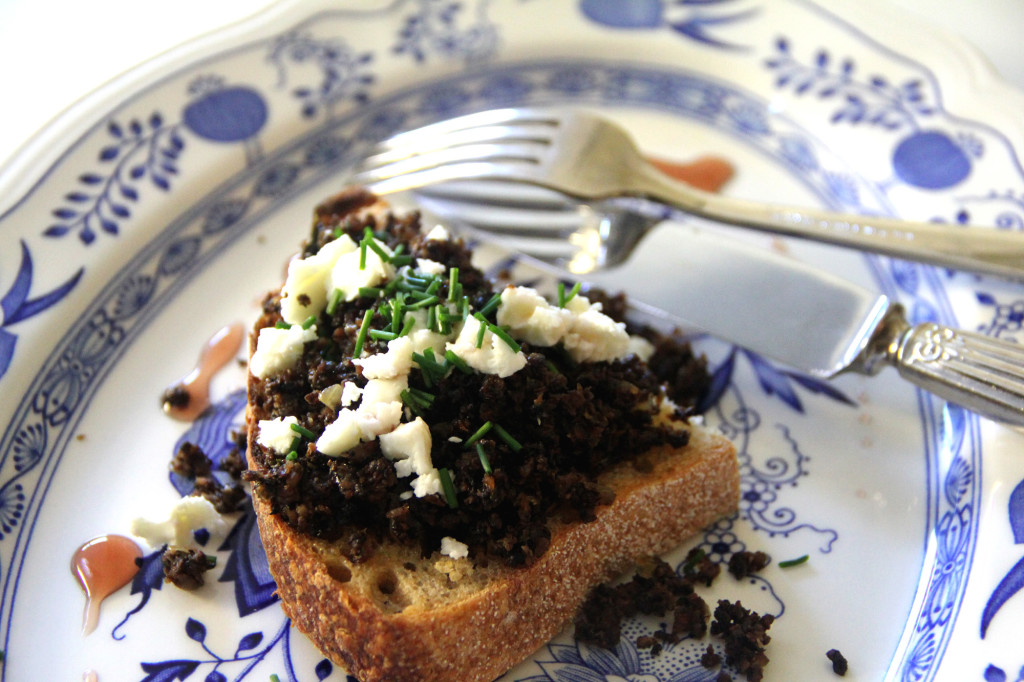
pixel 978 372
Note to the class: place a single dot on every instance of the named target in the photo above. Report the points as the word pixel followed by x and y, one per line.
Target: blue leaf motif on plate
pixel 16 305
pixel 247 566
pixel 212 433
pixel 1013 582
pixel 869 100
pixel 149 577
pixel 168 671
pixel 195 630
pixel 246 654
pixel 136 151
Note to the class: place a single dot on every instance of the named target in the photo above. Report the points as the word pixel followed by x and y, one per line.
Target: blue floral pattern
pixel 136 156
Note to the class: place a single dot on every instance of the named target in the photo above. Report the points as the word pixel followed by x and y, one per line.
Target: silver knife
pixel 802 316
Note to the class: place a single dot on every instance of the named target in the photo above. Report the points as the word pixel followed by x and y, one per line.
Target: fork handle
pixel 984 251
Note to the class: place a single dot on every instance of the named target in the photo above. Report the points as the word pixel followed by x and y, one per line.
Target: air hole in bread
pixel 387 583
pixel 391 596
pixel 339 572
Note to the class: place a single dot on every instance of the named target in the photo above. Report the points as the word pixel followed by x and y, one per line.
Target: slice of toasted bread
pixel 400 616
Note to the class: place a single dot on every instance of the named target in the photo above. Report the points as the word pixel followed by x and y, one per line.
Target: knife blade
pixel 807 318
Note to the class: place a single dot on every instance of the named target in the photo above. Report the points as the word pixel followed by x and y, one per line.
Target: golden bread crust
pixel 476 633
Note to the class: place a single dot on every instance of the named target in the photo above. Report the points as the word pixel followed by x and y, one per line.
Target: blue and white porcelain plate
pixel 160 211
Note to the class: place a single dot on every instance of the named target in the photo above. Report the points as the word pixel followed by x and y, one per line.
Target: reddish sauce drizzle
pixel 708 173
pixel 102 566
pixel 186 399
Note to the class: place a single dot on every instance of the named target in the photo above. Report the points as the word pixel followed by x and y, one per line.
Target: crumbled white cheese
pixel 423 339
pixel 279 349
pixel 408 446
pixel 341 435
pixel 350 393
pixel 587 333
pixel 188 515
pixel 277 434
pixel 640 347
pixel 439 233
pixel 395 362
pixel 385 390
pixel 374 419
pixel 494 356
pixel 427 484
pixel 595 337
pixel 430 267
pixel 531 318
pixel 305 290
pixel 347 276
pixel 453 548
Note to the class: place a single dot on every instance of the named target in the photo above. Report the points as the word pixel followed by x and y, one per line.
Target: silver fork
pixel 590 158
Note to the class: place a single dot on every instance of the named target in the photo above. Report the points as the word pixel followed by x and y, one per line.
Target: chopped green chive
pixel 364 329
pixel 400 260
pixel 281 324
pixel 397 312
pixel 309 322
pixel 458 362
pixel 362 253
pixel 419 295
pixel 335 300
pixel 379 250
pixel 296 443
pixel 370 292
pixel 449 488
pixel 433 371
pixel 564 299
pixel 382 335
pixel 480 332
pixel 292 456
pixel 423 303
pixel 432 319
pixel 794 562
pixel 407 327
pixel 211 561
pixel 480 433
pixel 453 284
pixel 490 306
pixel 418 401
pixel 507 437
pixel 303 431
pixel 275 678
pixel 483 459
pixel 504 336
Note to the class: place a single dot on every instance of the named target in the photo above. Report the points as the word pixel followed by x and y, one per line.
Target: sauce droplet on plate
pixel 102 566
pixel 708 173
pixel 189 397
